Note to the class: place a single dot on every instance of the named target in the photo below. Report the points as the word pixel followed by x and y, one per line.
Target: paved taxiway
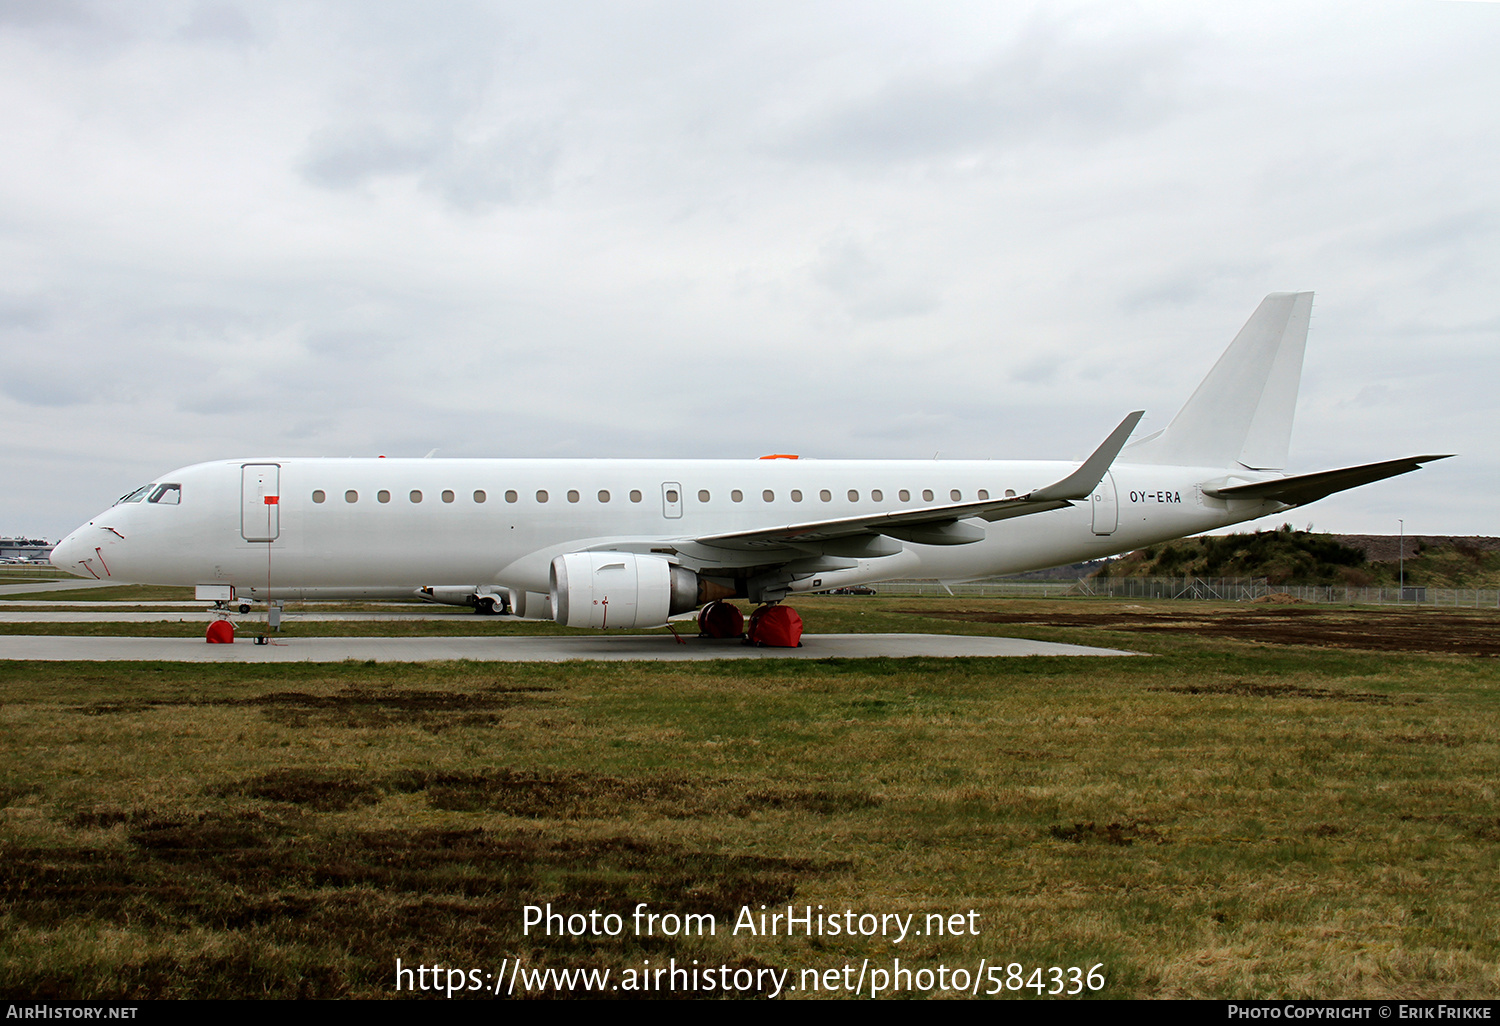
pixel 482 648
pixel 69 584
pixel 199 616
pixel 523 649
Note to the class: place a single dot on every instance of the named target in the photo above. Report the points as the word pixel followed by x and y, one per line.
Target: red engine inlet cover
pixel 776 627
pixel 720 620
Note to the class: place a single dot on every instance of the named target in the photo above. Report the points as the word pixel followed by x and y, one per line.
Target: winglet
pixel 1081 483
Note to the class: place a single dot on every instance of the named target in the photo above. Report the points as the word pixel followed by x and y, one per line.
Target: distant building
pixel 23 549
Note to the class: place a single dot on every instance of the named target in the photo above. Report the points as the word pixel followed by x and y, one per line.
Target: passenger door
pixel 260 501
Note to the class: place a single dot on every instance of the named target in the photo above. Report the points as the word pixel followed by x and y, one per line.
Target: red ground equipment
pixel 221 632
pixel 775 627
pixel 720 620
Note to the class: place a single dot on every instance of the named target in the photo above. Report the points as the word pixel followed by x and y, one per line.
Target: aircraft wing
pixel 939 525
pixel 1305 488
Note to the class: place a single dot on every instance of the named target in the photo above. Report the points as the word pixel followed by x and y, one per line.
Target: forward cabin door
pixel 260 501
pixel 1106 508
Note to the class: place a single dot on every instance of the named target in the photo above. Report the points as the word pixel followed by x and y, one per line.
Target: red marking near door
pixel 272 500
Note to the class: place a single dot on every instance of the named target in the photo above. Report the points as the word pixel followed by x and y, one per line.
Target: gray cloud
pixel 1048 82
pixel 30 14
pixel 346 157
pixel 219 24
pixel 683 229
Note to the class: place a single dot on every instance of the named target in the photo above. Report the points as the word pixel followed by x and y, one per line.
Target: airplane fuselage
pixel 390 526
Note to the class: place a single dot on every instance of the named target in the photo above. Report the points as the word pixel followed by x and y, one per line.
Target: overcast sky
pixel 706 229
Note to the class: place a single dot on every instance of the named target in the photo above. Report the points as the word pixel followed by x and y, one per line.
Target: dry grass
pixel 1228 818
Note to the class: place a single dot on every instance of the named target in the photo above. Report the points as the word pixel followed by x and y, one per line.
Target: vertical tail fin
pixel 1242 412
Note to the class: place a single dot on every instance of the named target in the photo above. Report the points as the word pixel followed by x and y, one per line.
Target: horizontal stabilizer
pixel 1305 488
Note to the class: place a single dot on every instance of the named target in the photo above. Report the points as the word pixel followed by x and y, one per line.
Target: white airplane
pixel 630 543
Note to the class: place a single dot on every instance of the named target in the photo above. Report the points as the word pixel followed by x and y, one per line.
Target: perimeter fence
pixel 1231 589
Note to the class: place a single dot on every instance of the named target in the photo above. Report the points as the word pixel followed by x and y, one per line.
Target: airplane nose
pixel 65 554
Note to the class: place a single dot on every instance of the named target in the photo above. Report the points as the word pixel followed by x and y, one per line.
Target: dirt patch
pixel 11 793
pixel 320 791
pixel 1429 737
pixel 359 708
pixel 542 794
pixel 823 802
pixel 1254 689
pixel 1122 835
pixel 353 902
pixel 1380 630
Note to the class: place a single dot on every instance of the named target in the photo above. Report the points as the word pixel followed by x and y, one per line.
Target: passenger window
pixel 703 495
pixel 167 494
pixel 926 494
pixel 956 495
pixel 853 495
pixel 479 496
pixel 511 496
pixel 319 495
pixel 447 496
pixel 796 495
pixel 737 495
pixel 984 493
pixel 876 495
pixel 603 495
pixel 383 495
pixel 541 495
pixel 826 495
pixel 572 495
pixel 635 495
pixel 1010 493
pixel 671 494
pixel 416 496
pixel 768 495
pixel 351 496
pixel 904 495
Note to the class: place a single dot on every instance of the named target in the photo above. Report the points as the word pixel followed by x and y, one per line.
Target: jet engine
pixel 623 589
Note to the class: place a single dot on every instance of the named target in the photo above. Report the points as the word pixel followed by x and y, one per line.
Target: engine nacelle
pixel 531 605
pixel 620 589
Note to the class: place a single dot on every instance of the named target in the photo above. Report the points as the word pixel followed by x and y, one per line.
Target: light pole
pixel 1401 562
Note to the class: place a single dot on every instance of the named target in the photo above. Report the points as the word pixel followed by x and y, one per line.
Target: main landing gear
pixel 771 626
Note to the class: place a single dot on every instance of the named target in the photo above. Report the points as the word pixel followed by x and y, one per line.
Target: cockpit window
pixel 137 495
pixel 167 494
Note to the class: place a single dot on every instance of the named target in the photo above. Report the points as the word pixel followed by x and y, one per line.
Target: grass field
pixel 1226 818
